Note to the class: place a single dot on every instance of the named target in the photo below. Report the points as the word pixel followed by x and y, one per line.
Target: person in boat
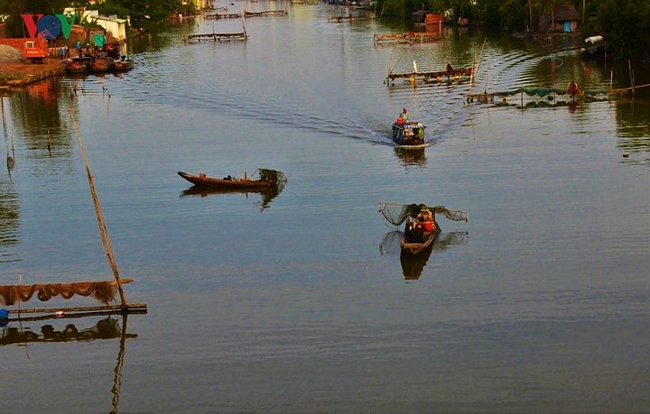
pixel 573 89
pixel 425 215
pixel 404 114
pixel 450 71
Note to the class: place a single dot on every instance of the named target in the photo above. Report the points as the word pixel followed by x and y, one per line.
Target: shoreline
pixel 18 73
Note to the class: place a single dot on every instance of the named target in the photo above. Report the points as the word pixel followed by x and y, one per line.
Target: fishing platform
pixel 218 16
pixel 549 96
pixel 431 77
pixel 216 37
pixel 410 37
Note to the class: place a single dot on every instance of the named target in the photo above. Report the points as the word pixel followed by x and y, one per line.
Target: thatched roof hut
pixel 559 19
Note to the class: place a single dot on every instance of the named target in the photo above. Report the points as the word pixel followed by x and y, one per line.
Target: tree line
pixel 625 23
pixel 141 14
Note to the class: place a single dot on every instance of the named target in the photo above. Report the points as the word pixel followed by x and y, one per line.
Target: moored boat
pixel 267 179
pixel 78 65
pixel 113 49
pixel 409 134
pixel 596 48
pixel 123 64
pixel 102 64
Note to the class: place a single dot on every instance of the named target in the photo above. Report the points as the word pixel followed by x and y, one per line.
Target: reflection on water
pixel 9 221
pixel 103 329
pixel 266 194
pixel 107 328
pixel 412 265
pixel 414 156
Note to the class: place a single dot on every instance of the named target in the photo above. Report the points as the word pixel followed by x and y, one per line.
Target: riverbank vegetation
pixel 624 23
pixel 142 14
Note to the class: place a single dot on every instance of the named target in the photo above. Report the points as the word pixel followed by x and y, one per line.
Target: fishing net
pixel 272 175
pixel 102 291
pixel 275 176
pixel 396 214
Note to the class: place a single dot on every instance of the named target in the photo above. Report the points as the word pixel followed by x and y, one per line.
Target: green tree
pixel 144 13
pixel 626 23
pixel 515 15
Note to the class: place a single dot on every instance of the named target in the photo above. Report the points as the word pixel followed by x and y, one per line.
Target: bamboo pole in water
pixel 106 242
pixel 629 64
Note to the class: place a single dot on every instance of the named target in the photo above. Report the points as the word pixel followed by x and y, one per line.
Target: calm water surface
pixel 302 304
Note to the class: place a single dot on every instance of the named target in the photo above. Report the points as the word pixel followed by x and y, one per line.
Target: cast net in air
pixel 396 214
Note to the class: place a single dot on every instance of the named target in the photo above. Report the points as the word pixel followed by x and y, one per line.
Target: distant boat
pixel 123 65
pixel 102 64
pixel 113 50
pixel 78 65
pixel 409 134
pixel 267 179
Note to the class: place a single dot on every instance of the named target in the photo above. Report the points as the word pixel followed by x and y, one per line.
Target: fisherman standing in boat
pixel 425 215
pixel 404 115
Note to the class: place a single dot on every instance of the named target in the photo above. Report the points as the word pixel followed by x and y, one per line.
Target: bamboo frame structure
pixel 59 288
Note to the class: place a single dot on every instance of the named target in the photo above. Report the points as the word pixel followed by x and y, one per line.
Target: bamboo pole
pixel 86 309
pixel 476 64
pixel 390 61
pixel 106 241
pixel 629 65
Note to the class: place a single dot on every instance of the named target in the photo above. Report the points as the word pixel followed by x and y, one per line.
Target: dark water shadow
pixel 266 194
pixel 413 265
pixel 411 156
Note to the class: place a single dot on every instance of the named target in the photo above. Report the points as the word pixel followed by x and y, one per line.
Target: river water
pixel 302 303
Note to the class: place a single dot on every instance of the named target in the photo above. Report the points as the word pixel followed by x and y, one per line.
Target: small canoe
pixel 416 238
pixel 122 65
pixel 102 64
pixel 78 65
pixel 203 180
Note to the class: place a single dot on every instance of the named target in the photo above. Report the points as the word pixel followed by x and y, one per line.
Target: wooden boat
pixel 113 50
pixel 413 264
pixel 417 236
pixel 123 65
pixel 409 134
pixel 102 64
pixel 78 65
pixel 202 180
